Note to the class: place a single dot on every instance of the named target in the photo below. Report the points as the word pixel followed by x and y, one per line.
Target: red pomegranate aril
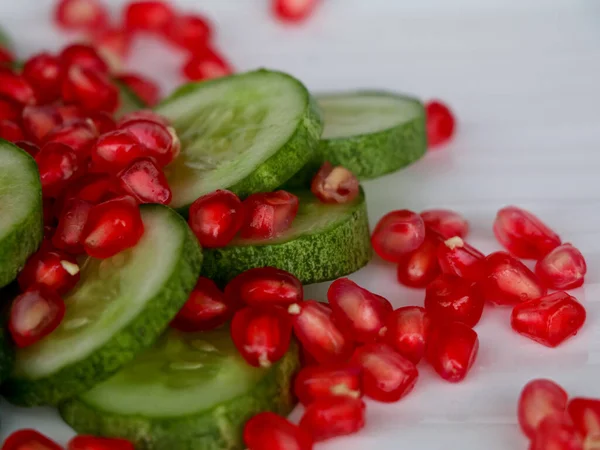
pixel 359 314
pixel 508 281
pixel 407 330
pixel 316 382
pixel 331 417
pixel 205 65
pixel 268 214
pixel 265 286
pixel 35 314
pixel 456 257
pixel 39 121
pixel 44 73
pixel 452 350
pixel 446 222
pixel 539 399
pixel 80 135
pixel 523 234
pixel 557 433
pixel 293 10
pixel 112 226
pixel 452 299
pixel 16 87
pixel 268 431
pixel 142 86
pixel 549 320
pixel 315 329
pixel 387 376
pixel 113 45
pixel 216 218
pixel 11 131
pixel 585 414
pixel 420 267
pixel 398 233
pixel 115 150
pixel 71 223
pixel 52 268
pixel 81 15
pixel 94 188
pixel 6 56
pixel 142 114
pixel 103 121
pixel 189 31
pixel 83 442
pixel 58 165
pixel 10 109
pixel 27 439
pixel 151 16
pixel 160 142
pixel 335 184
pixel 146 182
pixel 90 89
pixel 83 55
pixel 261 335
pixel 29 147
pixel 440 123
pixel 562 268
pixel 69 112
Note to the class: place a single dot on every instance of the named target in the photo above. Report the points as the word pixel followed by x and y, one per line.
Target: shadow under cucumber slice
pixel 190 391
pixel 325 242
pixel 6 355
pixel 119 308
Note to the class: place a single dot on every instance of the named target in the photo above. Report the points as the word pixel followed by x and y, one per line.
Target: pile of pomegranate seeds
pixel 31 439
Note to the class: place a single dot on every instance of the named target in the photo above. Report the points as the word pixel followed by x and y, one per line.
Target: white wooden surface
pixel 523 78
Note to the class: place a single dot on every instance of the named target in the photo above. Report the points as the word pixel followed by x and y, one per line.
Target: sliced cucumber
pixel 325 242
pixel 120 306
pixel 129 101
pixel 5 41
pixel 247 133
pixel 189 392
pixel 21 219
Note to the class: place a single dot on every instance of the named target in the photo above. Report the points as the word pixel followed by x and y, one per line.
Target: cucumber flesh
pixel 324 242
pixel 247 133
pixel 119 307
pixel 189 391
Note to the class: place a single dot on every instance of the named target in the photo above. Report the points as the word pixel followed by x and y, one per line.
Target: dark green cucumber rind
pixel 326 255
pixel 26 236
pixel 6 355
pixel 219 428
pixel 129 101
pixel 138 335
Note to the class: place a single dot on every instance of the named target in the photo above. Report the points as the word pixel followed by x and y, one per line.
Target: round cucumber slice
pixel 247 133
pixel 21 220
pixel 120 306
pixel 129 101
pixel 190 391
pixel 324 242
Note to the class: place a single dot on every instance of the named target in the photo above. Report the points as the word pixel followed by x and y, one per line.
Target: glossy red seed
pixel 216 218
pixel 331 417
pixel 261 335
pixel 293 10
pixel 29 147
pixel 268 431
pixel 145 181
pixel 9 109
pixel 418 268
pixel 508 281
pixel 71 223
pixel 103 121
pixel 556 433
pixel 456 257
pixel 83 55
pixel 11 131
pixel 315 329
pixel 6 56
pixel 27 439
pixel 151 16
pixel 539 399
pixel 407 330
pixel 206 65
pixel 44 73
pixel 39 121
pixel 35 314
pixel 549 320
pixel 94 188
pixel 189 31
pixel 452 350
pixel 115 150
pixel 452 299
pixel 160 142
pixel 387 375
pixel 440 123
pixel 316 382
pixel 90 89
pixel 81 15
pixel 335 184
pixel 446 222
pixel 523 234
pixel 585 414
pixel 398 233
pixel 268 214
pixel 52 268
pixel 58 165
pixel 143 114
pixel 142 86
pixel 80 135
pixel 265 286
pixel 113 45
pixel 16 87
pixel 360 314
pixel 562 268
pixel 112 226
pixel 97 443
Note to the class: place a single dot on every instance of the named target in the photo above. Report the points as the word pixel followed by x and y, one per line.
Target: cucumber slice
pixel 21 220
pixel 120 306
pixel 247 133
pixel 325 242
pixel 129 101
pixel 189 392
pixel 5 41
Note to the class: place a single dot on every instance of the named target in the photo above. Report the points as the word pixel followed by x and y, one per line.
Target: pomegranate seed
pixel 11 131
pixel 315 329
pixel 113 45
pixel 398 233
pixel 562 268
pixel 335 184
pixel 39 121
pixel 80 135
pixel 90 89
pixel 268 431
pixel 52 268
pixel 143 114
pixel 456 257
pixel 146 182
pixel 93 188
pixel 206 65
pixel 407 331
pixel 359 314
pixel 265 286
pixel 71 223
pixel 216 218
pixel 440 123
pixel 115 150
pixel 29 147
pixel 71 112
pixel 9 109
pixel 447 223
pixel 549 320
pixel 268 214
pixel 6 56
pixel 153 16
pixel 44 73
pixel 523 234
pixel 452 299
pixel 331 417
pixel 35 314
pixel 103 121
pixel 27 439
pixel 585 414
pixel 293 10
pixel 387 375
pixel 143 87
pixel 452 350
pixel 82 15
pixel 508 281
pixel 556 433
pixel 189 32
pixel 261 335
pixel 112 226
pixel 58 165
pixel 84 56
pixel 420 267
pixel 316 382
pixel 161 142
pixel 16 87
pixel 206 308
pixel 540 399
pixel 97 443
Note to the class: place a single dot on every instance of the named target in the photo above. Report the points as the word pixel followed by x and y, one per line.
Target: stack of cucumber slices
pixel 113 367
